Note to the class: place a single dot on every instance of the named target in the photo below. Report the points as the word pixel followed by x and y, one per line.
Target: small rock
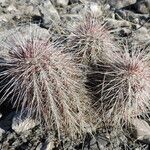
pixel 11 8
pixel 119 14
pixel 124 32
pixel 23 124
pixel 62 2
pixel 92 7
pixel 99 142
pixel 142 129
pixel 118 23
pixel 5 146
pixel 77 9
pixel 120 3
pixel 26 29
pixel 16 143
pixel 36 12
pixel 28 9
pixel 49 13
pixel 39 147
pixel 1 133
pixel 142 35
pixel 143 6
pixel 107 7
pixel 50 145
pixel 3 3
pixel 96 9
pixel 102 141
pixel 5 18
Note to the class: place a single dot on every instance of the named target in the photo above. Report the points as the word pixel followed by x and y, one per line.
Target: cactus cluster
pixel 48 82
pixel 44 81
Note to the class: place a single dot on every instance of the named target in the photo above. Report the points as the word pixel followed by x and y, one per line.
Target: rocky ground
pixel 125 18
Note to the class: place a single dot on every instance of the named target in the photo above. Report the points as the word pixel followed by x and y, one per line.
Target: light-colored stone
pixel 5 17
pixel 1 133
pixel 142 35
pixel 39 147
pixel 12 8
pixel 23 123
pixel 92 7
pixel 121 3
pixel 107 7
pixel 76 9
pixel 143 6
pixel 35 2
pixel 50 145
pixel 142 130
pixel 19 125
pixel 114 24
pixel 62 2
pixel 3 2
pixel 95 9
pixel 49 13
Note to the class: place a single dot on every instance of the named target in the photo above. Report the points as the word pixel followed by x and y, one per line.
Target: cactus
pixel 124 86
pixel 45 81
pixel 90 40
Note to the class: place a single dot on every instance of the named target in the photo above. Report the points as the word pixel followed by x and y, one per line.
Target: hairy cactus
pixel 124 86
pixel 45 81
pixel 90 40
